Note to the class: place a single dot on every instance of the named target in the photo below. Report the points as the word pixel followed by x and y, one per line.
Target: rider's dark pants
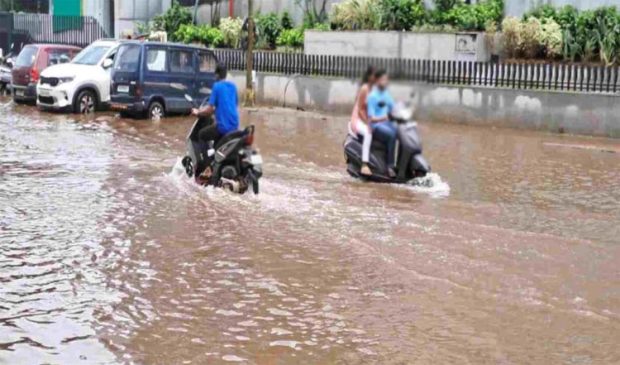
pixel 209 133
pixel 386 133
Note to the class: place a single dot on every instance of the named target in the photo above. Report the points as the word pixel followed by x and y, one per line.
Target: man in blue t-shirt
pixel 380 104
pixel 223 102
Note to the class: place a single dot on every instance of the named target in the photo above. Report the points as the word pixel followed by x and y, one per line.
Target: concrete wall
pixel 548 111
pixel 261 6
pixel 433 46
pixel 519 7
pixel 128 12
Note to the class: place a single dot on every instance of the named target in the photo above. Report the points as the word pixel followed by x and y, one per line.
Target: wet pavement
pixel 109 255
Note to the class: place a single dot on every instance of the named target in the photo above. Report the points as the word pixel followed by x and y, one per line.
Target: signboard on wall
pixel 466 45
pixel 66 15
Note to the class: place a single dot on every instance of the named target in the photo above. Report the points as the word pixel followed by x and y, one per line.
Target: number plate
pixel 44 92
pixel 256 160
pixel 123 88
pixel 19 92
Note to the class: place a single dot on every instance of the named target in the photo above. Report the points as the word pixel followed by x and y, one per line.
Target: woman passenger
pixel 359 124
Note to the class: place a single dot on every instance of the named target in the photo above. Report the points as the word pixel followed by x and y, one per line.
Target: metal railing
pixel 44 28
pixel 580 78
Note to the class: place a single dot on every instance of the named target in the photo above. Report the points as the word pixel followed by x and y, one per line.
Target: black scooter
pixel 410 163
pixel 232 163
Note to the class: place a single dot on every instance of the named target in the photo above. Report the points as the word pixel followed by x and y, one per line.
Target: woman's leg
pixel 364 130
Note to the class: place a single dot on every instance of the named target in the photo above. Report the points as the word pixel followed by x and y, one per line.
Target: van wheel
pixel 156 110
pixel 86 102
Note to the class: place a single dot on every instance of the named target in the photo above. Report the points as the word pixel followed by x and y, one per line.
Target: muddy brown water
pixel 108 255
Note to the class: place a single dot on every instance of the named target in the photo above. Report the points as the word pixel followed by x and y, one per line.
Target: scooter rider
pixel 223 102
pixel 380 104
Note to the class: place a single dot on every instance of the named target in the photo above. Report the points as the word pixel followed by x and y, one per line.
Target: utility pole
pixel 249 88
pixel 195 12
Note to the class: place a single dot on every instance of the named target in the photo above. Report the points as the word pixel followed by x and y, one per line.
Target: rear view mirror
pixel 107 63
pixel 189 98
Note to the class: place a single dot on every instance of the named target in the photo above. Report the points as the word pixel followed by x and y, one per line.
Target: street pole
pixel 195 12
pixel 249 91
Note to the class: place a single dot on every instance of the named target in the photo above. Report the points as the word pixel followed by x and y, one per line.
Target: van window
pixel 207 62
pixel 156 60
pixel 181 61
pixel 58 56
pixel 26 57
pixel 127 58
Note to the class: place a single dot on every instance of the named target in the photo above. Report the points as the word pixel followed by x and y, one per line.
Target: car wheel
pixel 86 102
pixel 156 110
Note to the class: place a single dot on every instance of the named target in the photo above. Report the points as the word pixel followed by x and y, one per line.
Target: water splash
pixel 431 184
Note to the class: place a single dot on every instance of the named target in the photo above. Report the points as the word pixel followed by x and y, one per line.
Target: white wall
pixel 407 45
pixel 587 114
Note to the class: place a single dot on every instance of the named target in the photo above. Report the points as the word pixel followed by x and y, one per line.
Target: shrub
pixel 356 14
pixel 545 11
pixel 269 28
pixel 551 38
pixel 293 38
pixel 172 20
pixel 511 36
pixel 490 36
pixel 231 31
pixel 530 35
pixel 324 27
pixel 401 14
pixel 470 17
pixel 189 33
pixel 286 22
pixel 446 5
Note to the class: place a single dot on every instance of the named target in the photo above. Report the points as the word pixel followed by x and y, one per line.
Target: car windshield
pixel 128 58
pixel 91 55
pixel 26 57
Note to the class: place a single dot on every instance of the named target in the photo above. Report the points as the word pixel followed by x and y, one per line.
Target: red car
pixel 33 59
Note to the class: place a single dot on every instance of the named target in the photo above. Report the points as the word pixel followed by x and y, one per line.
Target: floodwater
pixel 108 255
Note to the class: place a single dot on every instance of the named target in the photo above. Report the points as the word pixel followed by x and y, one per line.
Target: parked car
pixel 152 78
pixel 33 59
pixel 83 85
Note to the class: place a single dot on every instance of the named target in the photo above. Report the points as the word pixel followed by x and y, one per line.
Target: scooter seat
pixel 229 137
pixel 375 145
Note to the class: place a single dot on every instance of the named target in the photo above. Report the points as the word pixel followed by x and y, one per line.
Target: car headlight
pixel 62 80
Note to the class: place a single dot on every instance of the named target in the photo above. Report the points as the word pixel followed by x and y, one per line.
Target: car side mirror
pixel 107 63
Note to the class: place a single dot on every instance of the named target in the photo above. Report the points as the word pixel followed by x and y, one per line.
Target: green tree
pixel 171 20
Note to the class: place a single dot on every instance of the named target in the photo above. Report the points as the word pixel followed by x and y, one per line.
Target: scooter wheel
pixel 255 186
pixel 189 166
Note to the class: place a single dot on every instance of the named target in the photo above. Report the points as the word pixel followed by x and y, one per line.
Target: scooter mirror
pixel 189 98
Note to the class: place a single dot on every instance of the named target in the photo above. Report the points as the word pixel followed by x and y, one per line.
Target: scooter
pixel 6 66
pixel 410 164
pixel 232 163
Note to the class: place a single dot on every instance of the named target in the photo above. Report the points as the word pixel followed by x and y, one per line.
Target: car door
pixel 157 78
pixel 103 75
pixel 183 68
pixel 206 75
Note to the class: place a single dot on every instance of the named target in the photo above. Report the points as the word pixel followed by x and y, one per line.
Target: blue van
pixel 151 78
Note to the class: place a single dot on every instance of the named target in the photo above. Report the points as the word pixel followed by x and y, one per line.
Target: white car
pixel 83 85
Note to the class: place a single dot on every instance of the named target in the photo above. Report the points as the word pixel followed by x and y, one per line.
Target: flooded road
pixel 109 255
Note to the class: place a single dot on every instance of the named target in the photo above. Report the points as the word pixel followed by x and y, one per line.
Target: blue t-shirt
pixel 380 103
pixel 224 99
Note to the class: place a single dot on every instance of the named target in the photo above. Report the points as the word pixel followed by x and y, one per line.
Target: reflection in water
pixel 109 254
